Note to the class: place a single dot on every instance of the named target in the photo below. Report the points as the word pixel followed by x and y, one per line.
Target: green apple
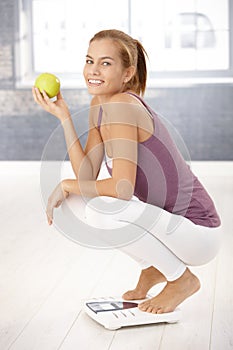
pixel 49 83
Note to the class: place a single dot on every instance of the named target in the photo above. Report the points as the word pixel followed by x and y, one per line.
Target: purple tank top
pixel 164 178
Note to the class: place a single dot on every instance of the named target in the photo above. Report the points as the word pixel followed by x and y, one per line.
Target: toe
pixel 142 307
pixel 159 310
pixel 150 309
pixel 127 295
pixel 154 311
pixel 133 295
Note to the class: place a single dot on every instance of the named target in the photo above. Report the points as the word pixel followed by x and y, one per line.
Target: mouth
pixel 95 82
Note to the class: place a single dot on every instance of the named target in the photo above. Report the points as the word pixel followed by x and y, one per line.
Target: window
pixel 183 38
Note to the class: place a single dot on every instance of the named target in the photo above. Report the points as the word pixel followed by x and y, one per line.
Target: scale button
pixel 131 312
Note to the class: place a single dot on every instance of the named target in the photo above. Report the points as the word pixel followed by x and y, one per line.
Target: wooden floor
pixel 44 278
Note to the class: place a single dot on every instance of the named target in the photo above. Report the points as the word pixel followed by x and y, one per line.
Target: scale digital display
pixel 110 305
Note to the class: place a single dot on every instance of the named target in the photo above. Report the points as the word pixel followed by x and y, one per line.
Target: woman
pixel 144 162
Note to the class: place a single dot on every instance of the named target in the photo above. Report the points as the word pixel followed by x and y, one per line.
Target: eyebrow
pixel 102 58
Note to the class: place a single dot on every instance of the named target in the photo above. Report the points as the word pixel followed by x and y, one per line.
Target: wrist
pixel 65 187
pixel 65 118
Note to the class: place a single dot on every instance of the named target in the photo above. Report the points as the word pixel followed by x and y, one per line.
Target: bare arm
pixel 123 140
pixel 85 163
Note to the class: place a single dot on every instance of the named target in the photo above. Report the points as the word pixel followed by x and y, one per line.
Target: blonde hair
pixel 132 53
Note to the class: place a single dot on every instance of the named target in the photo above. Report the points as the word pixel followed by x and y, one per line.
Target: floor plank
pixel 34 257
pixel 194 329
pixel 86 333
pixel 44 278
pixel 222 327
pixel 47 329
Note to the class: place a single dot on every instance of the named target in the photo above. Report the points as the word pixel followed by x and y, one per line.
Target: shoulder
pixel 125 107
pixel 125 97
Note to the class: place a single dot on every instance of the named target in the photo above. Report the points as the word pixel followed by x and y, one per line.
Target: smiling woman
pixel 174 222
pixel 124 57
pixel 95 70
pixel 105 75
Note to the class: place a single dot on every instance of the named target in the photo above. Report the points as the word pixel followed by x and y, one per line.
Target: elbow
pixel 85 171
pixel 124 189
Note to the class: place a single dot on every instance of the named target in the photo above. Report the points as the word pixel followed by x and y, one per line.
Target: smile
pixel 95 82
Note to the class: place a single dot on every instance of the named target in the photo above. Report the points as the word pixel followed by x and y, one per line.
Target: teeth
pixel 94 81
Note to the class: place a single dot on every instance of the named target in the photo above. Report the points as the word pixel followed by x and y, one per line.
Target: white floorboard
pixel 44 278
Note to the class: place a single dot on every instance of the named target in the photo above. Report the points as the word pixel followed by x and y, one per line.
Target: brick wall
pixel 6 43
pixel 203 115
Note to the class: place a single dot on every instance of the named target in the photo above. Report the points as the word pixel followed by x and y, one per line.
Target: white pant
pixel 166 241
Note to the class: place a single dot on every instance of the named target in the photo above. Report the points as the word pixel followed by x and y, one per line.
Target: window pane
pixel 183 35
pixel 217 57
pixel 178 35
pixel 62 34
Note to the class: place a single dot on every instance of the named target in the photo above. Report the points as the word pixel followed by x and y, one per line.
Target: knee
pixel 102 212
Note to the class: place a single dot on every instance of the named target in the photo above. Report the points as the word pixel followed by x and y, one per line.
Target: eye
pixel 105 63
pixel 88 61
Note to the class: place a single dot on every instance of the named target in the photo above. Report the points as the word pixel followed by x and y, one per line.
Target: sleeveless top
pixel 164 179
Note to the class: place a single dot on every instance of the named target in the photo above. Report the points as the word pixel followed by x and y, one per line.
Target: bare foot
pixel 173 294
pixel 148 278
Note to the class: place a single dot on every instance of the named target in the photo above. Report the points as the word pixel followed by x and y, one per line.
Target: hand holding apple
pixel 46 86
pixel 49 83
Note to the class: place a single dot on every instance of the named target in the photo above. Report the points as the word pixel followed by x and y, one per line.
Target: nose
pixel 94 69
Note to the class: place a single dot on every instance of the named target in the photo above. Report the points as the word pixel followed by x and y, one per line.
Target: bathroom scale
pixel 114 313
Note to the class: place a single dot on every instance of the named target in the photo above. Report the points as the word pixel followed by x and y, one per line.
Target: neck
pixel 106 98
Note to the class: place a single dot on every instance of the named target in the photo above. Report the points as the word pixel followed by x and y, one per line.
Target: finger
pixel 46 97
pixel 58 204
pixel 39 96
pixel 59 96
pixel 49 213
pixel 34 94
pixel 49 219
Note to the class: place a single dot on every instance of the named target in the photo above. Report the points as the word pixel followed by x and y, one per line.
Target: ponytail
pixel 141 72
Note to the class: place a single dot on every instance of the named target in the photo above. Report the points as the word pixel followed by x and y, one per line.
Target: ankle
pixel 187 279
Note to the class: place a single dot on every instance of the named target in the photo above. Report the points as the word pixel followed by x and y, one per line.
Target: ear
pixel 129 73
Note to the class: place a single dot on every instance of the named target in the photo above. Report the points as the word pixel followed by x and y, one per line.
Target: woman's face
pixel 103 71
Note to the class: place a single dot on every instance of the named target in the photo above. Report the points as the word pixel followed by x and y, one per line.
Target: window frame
pixel 25 73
